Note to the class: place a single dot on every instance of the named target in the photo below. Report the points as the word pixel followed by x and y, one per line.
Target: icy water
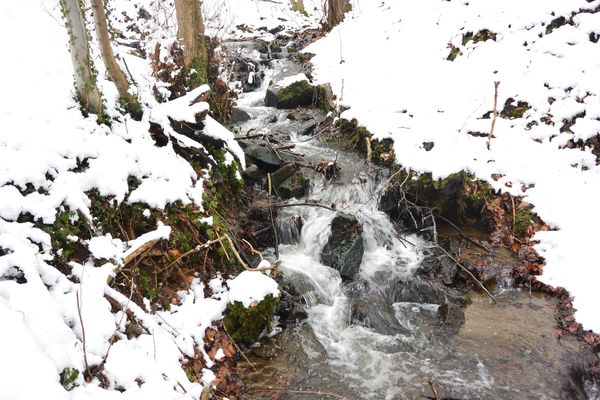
pixel 508 351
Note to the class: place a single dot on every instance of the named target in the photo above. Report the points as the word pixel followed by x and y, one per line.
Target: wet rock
pixel 291 310
pixel 355 288
pixel 437 265
pixel 252 172
pixel 289 227
pixel 295 186
pixel 377 315
pixel 325 97
pixel 240 115
pixel 420 290
pixel 299 93
pixel 289 182
pixel 344 249
pixel 300 114
pixel 451 315
pixel 263 157
pixel 283 173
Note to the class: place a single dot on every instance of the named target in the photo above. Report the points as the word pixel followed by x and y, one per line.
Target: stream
pixel 356 340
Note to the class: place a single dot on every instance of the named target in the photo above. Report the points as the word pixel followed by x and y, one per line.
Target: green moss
pixel 381 150
pixel 512 111
pixel 275 48
pixel 324 96
pixel 454 52
pixel 246 324
pixel 68 376
pixel 298 93
pixel 523 219
pixel 481 36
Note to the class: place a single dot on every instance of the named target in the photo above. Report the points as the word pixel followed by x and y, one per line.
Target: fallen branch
pixel 495 113
pixel 461 233
pixel 282 205
pixel 292 391
pixel 468 272
pixel 85 360
pixel 433 389
pixel 238 348
pixel 272 218
pixel 142 249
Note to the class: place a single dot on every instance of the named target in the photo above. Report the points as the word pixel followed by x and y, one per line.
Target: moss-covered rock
pixel 246 324
pixel 361 139
pixel 289 182
pixel 297 94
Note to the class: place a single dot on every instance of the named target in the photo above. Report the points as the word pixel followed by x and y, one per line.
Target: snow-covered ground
pixel 51 157
pixel 388 63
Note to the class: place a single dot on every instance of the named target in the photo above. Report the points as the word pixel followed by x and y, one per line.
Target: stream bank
pixel 370 309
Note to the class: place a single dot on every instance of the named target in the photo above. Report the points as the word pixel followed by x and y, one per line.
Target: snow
pixel 51 160
pixel 251 286
pixel 105 247
pixel 387 63
pixel 291 80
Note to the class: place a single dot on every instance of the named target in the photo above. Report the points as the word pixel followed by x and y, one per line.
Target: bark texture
pixel 85 76
pixel 114 72
pixel 298 6
pixel 335 11
pixel 191 35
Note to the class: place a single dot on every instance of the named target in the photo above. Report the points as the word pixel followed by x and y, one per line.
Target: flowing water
pixel 507 351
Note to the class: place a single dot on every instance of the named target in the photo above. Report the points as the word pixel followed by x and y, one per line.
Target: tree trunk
pixel 335 11
pixel 191 36
pixel 85 75
pixel 298 6
pixel 114 72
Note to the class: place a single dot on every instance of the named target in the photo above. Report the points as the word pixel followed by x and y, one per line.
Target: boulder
pixel 263 157
pixel 240 115
pixel 289 182
pixel 295 186
pixel 344 249
pixel 425 291
pixel 377 315
pixel 289 95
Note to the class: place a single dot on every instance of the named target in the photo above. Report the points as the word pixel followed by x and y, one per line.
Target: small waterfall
pixel 363 342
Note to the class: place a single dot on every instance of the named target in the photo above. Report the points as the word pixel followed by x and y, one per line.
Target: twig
pixel 273 149
pixel 495 112
pixel 273 219
pixel 433 389
pixel 143 248
pixel 258 253
pixel 512 199
pixel 475 242
pixel 302 204
pixel 369 150
pixel 238 348
pixel 306 392
pixel 468 272
pixel 85 360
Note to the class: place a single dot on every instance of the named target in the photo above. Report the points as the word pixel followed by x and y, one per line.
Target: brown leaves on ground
pixel 228 382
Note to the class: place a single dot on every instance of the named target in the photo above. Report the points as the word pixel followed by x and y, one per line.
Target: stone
pixel 295 186
pixel 252 172
pixel 263 157
pixel 425 291
pixel 299 93
pixel 289 182
pixel 375 314
pixel 451 315
pixel 240 115
pixel 344 249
